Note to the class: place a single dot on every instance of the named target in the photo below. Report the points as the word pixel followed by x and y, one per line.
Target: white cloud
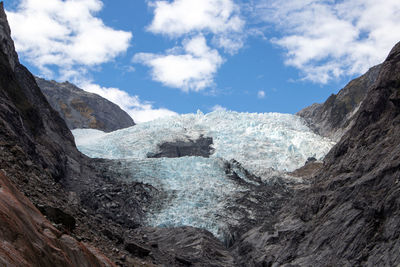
pixel 327 39
pixel 218 108
pixel 185 16
pixel 138 110
pixel 261 94
pixel 193 66
pixel 190 68
pixel 65 34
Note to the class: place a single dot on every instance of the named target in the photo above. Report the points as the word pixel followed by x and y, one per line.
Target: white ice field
pixel 198 187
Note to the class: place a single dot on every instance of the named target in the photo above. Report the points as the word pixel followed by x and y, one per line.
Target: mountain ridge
pixel 81 109
pixel 336 115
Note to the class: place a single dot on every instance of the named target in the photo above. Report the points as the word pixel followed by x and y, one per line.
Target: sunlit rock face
pixel 201 191
pixel 81 109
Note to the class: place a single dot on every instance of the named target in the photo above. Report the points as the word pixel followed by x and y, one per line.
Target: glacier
pixel 198 189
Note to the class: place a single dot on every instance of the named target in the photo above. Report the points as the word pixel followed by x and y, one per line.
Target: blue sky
pixel 154 58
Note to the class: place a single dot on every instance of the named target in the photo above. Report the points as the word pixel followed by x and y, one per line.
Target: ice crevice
pixel 199 189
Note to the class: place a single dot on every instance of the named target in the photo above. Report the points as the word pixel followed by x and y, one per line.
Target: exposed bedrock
pixel 200 147
pixel 28 239
pixel 350 215
pixel 336 115
pixel 81 109
pixel 182 246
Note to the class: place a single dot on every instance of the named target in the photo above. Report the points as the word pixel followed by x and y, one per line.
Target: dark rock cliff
pixel 81 109
pixel 333 117
pixel 350 215
pixel 36 148
pixel 38 155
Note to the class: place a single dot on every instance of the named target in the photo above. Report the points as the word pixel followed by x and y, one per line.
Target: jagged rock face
pixel 350 216
pixel 27 118
pixel 28 239
pixel 81 109
pixel 336 115
pixel 38 154
pixel 6 44
pixel 193 247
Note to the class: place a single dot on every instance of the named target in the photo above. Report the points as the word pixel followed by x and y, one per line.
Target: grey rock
pixel 38 153
pixel 81 109
pixel 137 250
pixel 183 246
pixel 350 213
pixel 36 148
pixel 6 44
pixel 258 204
pixel 58 216
pixel 336 115
pixel 200 147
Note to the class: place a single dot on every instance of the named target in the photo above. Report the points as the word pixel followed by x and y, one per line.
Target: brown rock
pixel 28 239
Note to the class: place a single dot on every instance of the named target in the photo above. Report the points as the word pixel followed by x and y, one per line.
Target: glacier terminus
pixel 201 191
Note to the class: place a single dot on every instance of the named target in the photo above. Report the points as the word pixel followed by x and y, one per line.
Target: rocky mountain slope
pixel 336 115
pixel 81 109
pixel 28 239
pixel 350 215
pixel 36 148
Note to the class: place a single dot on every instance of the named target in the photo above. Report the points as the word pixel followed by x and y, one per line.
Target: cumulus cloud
pixel 140 111
pixel 261 94
pixel 190 68
pixel 185 16
pixel 65 34
pixel 327 39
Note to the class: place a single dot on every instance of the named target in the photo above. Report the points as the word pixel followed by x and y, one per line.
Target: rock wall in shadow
pixel 350 215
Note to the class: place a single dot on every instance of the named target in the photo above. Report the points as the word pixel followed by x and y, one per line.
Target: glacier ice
pixel 257 140
pixel 198 187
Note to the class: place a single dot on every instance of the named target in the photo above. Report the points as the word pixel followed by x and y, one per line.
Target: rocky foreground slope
pixel 81 109
pixel 350 215
pixel 27 238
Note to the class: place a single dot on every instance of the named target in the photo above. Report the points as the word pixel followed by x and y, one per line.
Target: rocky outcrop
pixel 81 109
pixel 200 147
pixel 350 215
pixel 28 239
pixel 336 115
pixel 192 247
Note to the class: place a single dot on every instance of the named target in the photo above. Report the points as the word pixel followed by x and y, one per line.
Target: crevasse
pixel 198 187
